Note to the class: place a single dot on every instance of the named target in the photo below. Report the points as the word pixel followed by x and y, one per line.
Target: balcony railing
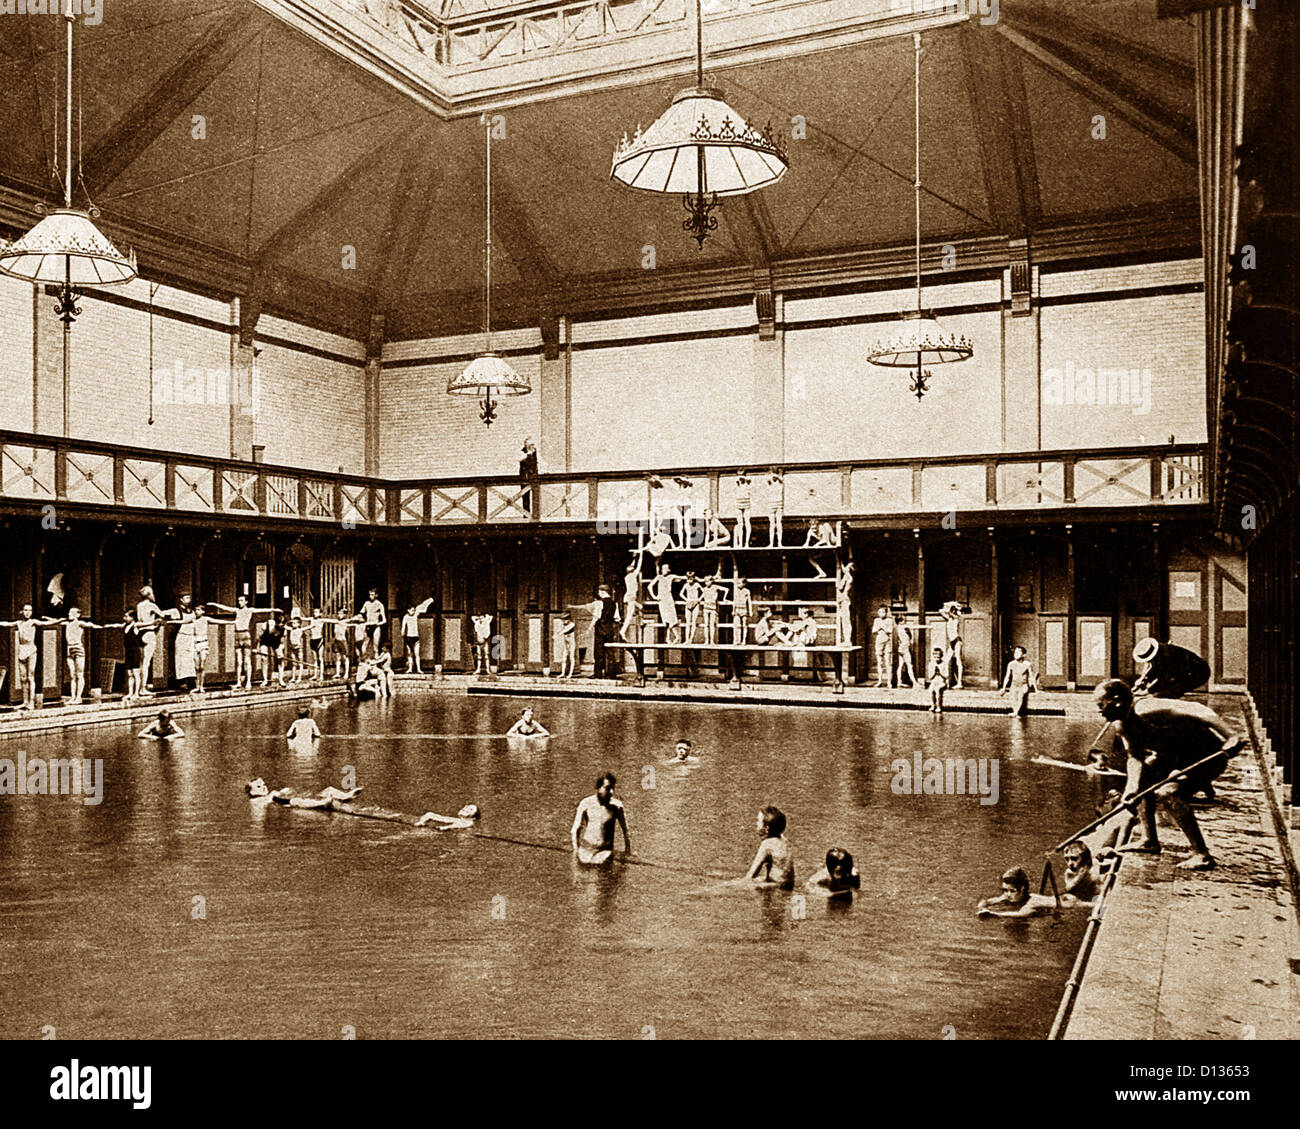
pixel 45 470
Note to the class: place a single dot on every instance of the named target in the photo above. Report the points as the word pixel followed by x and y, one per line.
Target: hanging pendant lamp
pixel 701 148
pixel 66 248
pixel 489 375
pixel 920 341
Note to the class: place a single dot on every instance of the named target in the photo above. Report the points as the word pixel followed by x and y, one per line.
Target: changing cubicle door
pixel 1053 651
pixel 1093 650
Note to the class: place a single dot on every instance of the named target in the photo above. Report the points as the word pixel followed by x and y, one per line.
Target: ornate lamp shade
pixel 919 344
pixel 736 157
pixel 66 248
pixel 700 147
pixel 487 376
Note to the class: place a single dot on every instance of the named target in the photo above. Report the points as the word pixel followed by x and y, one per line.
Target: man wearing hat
pixel 1171 671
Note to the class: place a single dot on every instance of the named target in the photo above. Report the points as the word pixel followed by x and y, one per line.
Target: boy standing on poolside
pixel 883 629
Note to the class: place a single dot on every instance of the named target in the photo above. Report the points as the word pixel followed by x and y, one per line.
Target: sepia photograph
pixel 648 520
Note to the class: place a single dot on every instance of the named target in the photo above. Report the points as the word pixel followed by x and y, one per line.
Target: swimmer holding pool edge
pixel 527 727
pixel 161 729
pixel 595 821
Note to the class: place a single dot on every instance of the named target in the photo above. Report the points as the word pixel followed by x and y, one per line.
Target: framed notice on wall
pixel 262 580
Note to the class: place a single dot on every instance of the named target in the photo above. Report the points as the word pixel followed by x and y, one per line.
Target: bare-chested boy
pixel 595 820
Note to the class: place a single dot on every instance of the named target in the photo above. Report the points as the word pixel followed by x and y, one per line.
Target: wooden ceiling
pixel 240 154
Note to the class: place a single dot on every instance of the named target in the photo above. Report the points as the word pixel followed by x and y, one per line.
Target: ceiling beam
pixel 1109 90
pixel 408 215
pixel 306 219
pixel 146 120
pixel 996 90
pixel 749 223
pixel 513 226
pixel 1110 48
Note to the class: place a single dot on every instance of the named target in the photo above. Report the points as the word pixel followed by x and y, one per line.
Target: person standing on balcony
pixel 528 473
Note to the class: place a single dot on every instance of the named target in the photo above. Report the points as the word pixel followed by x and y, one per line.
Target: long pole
pixel 916 173
pixel 699 45
pixel 67 170
pixel 1128 804
pixel 487 290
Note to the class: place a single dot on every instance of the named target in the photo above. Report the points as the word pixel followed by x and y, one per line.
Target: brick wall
pixel 16 353
pixel 1127 371
pixel 310 411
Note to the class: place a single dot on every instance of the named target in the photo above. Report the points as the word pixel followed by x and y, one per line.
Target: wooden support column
pixel 554 444
pixel 1071 643
pixel 920 594
pixel 374 358
pixel 245 313
pixel 995 614
pixel 767 444
pixel 1161 624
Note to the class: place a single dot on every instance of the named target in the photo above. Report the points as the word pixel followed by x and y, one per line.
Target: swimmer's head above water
pixel 1015 886
pixel 682 750
pixel 839 865
pixel 771 823
pixel 1078 856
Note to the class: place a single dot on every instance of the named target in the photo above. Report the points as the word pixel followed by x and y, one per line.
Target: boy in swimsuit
pixel 844 604
pixel 883 631
pixel 26 625
pixel 631 595
pixel 304 728
pixel 742 607
pixel 775 508
pixel 937 680
pixel 342 649
pixel 294 651
pixel 74 636
pixel 709 597
pixel 243 640
pixel 691 593
pixel 527 727
pixel 952 658
pixel 771 632
pixel 595 820
pixel 1019 681
pixel 743 501
pixel 376 615
pixel 131 655
pixel 150 616
pixel 903 648
pixel 773 865
pixel 384 670
pixel 839 875
pixel 411 641
pixel 316 638
pixel 200 628
pixel 569 635
pixel 661 588
pixel 482 643
pixel 716 534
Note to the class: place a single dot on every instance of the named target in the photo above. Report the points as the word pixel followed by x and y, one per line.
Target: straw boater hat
pixel 1146 650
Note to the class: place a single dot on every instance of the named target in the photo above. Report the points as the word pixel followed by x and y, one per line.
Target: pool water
pixel 177 908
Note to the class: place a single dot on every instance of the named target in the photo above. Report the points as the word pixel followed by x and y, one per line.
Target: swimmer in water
pixel 1015 899
pixel 161 729
pixel 682 753
pixel 1081 877
pixel 838 876
pixel 595 820
pixel 527 727
pixel 773 865
pixel 304 728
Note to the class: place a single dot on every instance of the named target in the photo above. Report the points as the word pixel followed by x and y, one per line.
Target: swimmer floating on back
pixel 595 820
pixel 340 801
